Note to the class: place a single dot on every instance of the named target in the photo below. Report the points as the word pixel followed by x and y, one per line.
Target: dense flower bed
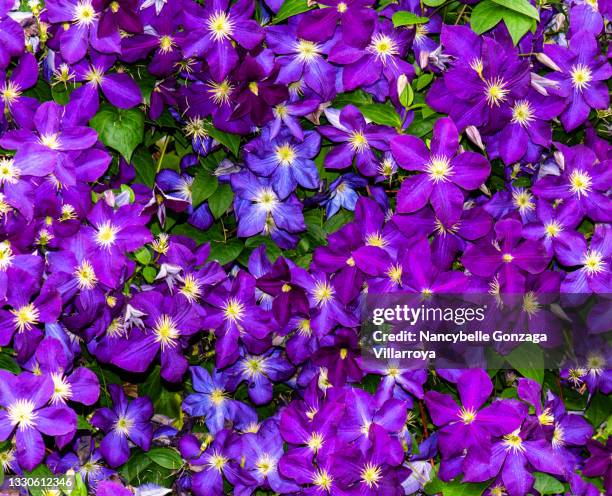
pixel 195 197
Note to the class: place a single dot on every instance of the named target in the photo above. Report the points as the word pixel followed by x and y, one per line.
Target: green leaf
pixel 485 16
pixel 407 96
pixel 83 424
pixel 225 253
pixel 517 25
pixel 121 130
pixel 547 484
pixel 165 402
pixel 149 273
pixel 8 363
pixel 38 472
pixel 599 409
pixel 520 6
pixel 456 488
pixel 144 166
pixel 289 8
pixel 143 255
pixel 381 113
pixel 165 457
pixel 220 200
pixel 528 360
pixel 203 186
pixel 433 3
pixel 405 18
pixel 337 221
pixel 228 140
pixel 135 467
pixel 423 80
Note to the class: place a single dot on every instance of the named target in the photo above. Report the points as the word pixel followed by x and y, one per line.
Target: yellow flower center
pixel 218 396
pixel 467 416
pixel 123 425
pixel 166 332
pixel 323 293
pixel 85 275
pixel 265 464
pixel 233 310
pixel 323 480
pixel 580 182
pixel 553 229
pixel 581 76
pixel 106 234
pixel 522 113
pixel 84 14
pixel 21 414
pixel 191 288
pixel 495 91
pixel 358 141
pixel 531 305
pixel 375 239
pixel 342 7
pixel 220 91
pixel 439 168
pixel 514 442
pixel 62 390
pixel 267 199
pixel 217 461
pixel 507 258
pixel 546 417
pixel 371 474
pixel 25 317
pixel 523 200
pixel 285 154
pixel 307 51
pixel 10 92
pixel 315 441
pixel 6 255
pixel 220 25
pixel 593 263
pixel 166 44
pixel 383 47
pixel 50 140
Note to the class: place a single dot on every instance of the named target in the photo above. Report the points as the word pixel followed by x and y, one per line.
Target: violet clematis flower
pixel 119 88
pixel 584 181
pixel 29 306
pixel 260 372
pixel 77 22
pixel 261 211
pixel 581 74
pixel 506 257
pixel 124 421
pixel 288 114
pixel 445 174
pixel 214 30
pixel 356 19
pixel 469 426
pixel 485 74
pixel 47 149
pixel 381 57
pixel 24 398
pixel 302 60
pixel 262 451
pixel 599 464
pixel 285 160
pixel 168 321
pixel 234 315
pixel 211 401
pixel 356 139
pixel 220 460
pixel 12 101
pixel 343 194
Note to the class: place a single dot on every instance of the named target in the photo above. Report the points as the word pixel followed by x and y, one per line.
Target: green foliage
pixel 547 484
pixel 290 8
pixel 404 18
pixel 121 130
pixel 528 360
pixel 220 200
pixel 518 15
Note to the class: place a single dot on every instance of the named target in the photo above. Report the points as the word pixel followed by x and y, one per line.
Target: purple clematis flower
pixel 259 372
pixel 47 149
pixel 343 194
pixel 214 31
pixel 220 460
pixel 77 27
pixel 260 210
pixel 168 321
pixel 288 114
pixel 599 464
pixel 445 174
pixel 24 398
pixel 485 74
pixel 12 101
pixel 119 88
pixel 285 160
pixel 211 401
pixel 302 60
pixel 506 257
pixel 124 421
pixel 357 140
pixel 469 426
pixel 584 180
pixel 581 75
pixel 382 57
